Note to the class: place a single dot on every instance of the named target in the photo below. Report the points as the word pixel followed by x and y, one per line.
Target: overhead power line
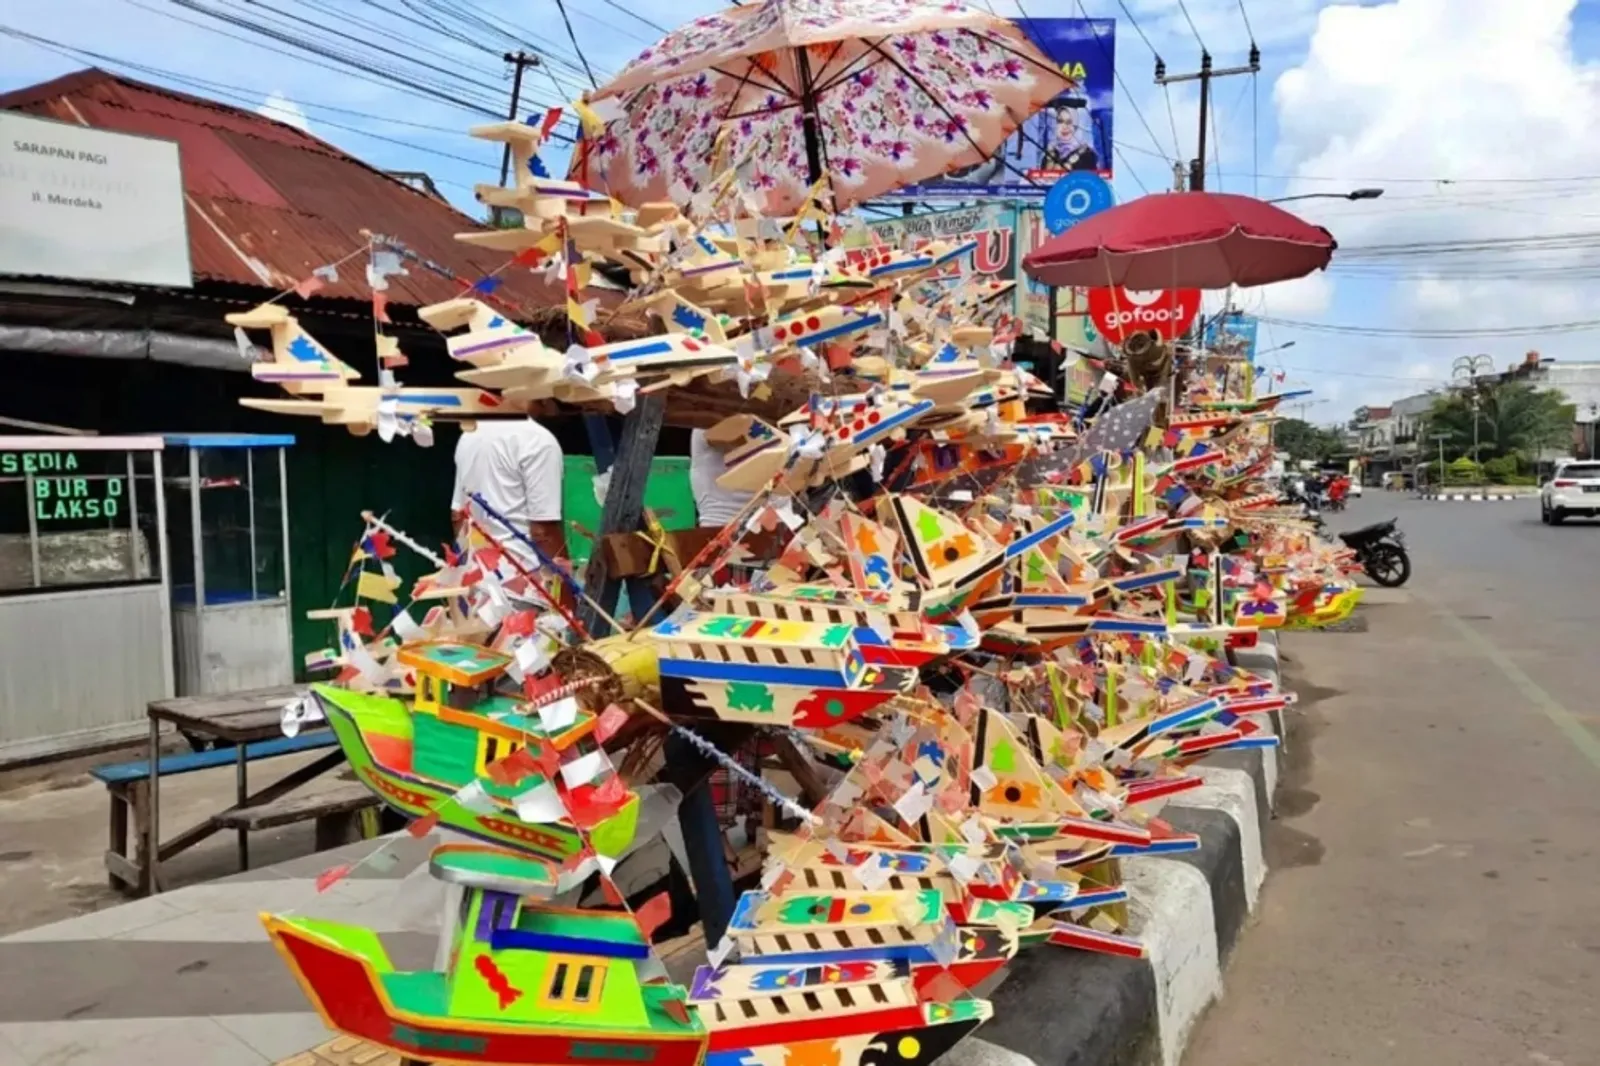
pixel 1350 329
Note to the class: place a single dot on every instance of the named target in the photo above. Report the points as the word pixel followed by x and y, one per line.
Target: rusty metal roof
pixel 268 203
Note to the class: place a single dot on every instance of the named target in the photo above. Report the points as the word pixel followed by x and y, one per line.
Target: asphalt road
pixel 1435 895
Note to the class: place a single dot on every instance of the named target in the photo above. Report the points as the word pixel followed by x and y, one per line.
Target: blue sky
pixel 1498 97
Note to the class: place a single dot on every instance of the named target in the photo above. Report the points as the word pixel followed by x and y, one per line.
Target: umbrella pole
pixel 813 136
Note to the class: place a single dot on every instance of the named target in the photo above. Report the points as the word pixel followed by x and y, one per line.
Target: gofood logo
pixel 1145 310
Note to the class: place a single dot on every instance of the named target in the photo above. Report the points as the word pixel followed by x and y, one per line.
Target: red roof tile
pixel 268 203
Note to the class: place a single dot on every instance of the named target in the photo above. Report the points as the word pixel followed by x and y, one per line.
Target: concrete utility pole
pixel 1197 168
pixel 519 61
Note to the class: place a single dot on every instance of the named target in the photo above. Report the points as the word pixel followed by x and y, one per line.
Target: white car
pixel 1574 489
pixel 1355 486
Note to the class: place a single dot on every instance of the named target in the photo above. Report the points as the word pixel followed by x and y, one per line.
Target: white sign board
pixel 77 202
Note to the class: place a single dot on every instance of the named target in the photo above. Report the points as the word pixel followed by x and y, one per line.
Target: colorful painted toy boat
pixel 418 754
pixel 526 982
pixel 770 672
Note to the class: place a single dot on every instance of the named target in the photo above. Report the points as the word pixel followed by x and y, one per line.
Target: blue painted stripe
pixel 502 939
pixel 912 953
pixel 1095 899
pixel 1017 547
pixel 1248 742
pixel 852 325
pixel 1127 625
pixel 1140 581
pixel 762 673
pixel 430 399
pixel 1049 599
pixel 1174 846
pixel 229 440
pixel 1183 716
pixel 635 351
pixel 915 410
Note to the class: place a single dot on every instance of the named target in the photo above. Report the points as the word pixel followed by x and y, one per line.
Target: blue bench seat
pixel 123 773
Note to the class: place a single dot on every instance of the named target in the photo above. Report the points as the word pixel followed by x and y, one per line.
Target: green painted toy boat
pixel 457 731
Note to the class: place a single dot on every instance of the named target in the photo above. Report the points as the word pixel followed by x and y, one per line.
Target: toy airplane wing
pixel 663 354
pixel 362 407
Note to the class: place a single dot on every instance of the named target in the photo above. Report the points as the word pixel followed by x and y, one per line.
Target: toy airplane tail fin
pixel 681 316
pixel 489 336
pixel 300 365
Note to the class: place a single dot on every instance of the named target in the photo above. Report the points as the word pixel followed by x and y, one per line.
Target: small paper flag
pixel 424 825
pixel 611 720
pixel 371 586
pixel 653 913
pixel 332 876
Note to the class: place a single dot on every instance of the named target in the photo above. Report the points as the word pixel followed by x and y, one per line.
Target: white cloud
pixel 280 107
pixel 1423 89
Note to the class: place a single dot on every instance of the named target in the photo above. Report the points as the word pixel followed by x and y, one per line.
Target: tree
pixel 1513 419
pixel 1302 440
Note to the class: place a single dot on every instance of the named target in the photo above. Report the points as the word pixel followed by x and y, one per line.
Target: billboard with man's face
pixel 1072 132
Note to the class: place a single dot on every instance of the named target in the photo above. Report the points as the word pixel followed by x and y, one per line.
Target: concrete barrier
pixel 1057 1007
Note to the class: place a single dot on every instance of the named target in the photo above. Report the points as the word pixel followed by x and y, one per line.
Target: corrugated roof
pixel 268 203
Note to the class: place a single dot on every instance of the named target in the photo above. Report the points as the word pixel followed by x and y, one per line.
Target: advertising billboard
pixel 84 203
pixel 1071 133
pixel 1235 330
pixel 993 226
pixel 1073 327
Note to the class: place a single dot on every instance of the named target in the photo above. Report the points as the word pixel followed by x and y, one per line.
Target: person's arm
pixel 541 482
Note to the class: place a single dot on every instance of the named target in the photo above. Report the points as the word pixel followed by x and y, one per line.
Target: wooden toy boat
pixel 526 982
pixel 417 755
pixel 769 672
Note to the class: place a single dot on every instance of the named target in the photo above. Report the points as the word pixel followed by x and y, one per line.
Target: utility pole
pixel 1197 168
pixel 519 61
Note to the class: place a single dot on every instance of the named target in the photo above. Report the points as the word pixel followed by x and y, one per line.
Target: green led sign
pixel 60 498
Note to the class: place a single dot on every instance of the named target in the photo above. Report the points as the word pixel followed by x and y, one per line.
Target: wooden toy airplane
pixel 513 360
pixel 320 385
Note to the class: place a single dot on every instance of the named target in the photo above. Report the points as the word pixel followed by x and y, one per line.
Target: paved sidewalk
pixel 189 977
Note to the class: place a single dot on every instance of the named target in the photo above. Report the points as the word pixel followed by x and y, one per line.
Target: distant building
pixel 1388 436
pixel 1579 382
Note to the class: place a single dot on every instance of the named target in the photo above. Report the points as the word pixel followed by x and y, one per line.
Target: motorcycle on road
pixel 1381 550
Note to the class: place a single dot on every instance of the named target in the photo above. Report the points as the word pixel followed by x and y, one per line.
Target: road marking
pixel 1564 720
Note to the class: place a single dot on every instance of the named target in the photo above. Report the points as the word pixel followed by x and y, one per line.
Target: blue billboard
pixel 1070 133
pixel 1236 327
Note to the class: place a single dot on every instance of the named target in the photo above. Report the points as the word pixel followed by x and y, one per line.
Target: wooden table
pixel 237 718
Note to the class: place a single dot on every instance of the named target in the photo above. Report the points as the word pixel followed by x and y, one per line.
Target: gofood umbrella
pixel 870 94
pixel 1186 240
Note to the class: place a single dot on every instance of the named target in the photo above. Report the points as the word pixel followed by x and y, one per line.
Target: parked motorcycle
pixel 1381 550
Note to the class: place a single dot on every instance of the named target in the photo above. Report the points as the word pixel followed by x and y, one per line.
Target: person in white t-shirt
pixel 516 465
pixel 716 506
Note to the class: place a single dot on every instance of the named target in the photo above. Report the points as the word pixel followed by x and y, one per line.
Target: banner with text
pixel 993 226
pixel 89 204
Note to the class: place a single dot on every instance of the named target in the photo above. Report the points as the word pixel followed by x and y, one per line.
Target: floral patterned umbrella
pixel 870 94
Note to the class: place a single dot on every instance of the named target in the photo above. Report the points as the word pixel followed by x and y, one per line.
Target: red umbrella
pixel 1184 240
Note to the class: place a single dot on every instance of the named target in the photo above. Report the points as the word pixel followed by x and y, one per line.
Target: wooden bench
pixel 128 784
pixel 338 812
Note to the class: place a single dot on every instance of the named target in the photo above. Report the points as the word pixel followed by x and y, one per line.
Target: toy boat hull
pixel 381 760
pixel 758 703
pixel 350 994
pixel 916 1045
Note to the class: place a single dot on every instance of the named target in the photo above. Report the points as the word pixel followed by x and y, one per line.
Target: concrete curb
pixel 1478 496
pixel 1058 1007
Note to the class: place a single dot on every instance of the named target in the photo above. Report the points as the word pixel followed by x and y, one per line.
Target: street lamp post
pixel 1466 369
pixel 1441 438
pixel 1353 194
